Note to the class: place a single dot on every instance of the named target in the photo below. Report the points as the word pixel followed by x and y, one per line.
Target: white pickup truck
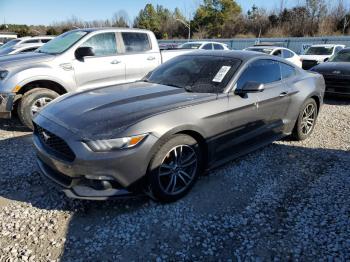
pixel 320 53
pixel 76 60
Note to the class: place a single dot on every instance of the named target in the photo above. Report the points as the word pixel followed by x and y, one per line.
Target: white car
pixel 20 49
pixel 317 54
pixel 277 51
pixel 204 45
pixel 27 40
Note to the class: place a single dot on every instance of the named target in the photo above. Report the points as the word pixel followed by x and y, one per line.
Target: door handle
pixel 150 58
pixel 115 62
pixel 283 94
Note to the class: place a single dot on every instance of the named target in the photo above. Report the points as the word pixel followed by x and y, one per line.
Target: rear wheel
pixel 32 102
pixel 306 120
pixel 174 168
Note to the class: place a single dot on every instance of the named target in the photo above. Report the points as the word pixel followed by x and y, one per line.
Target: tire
pixel 301 132
pixel 28 101
pixel 182 175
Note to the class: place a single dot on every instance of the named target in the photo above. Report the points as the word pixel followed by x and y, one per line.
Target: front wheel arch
pixel 186 130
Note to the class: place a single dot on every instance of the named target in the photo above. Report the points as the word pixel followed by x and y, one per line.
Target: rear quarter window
pixel 136 42
pixel 287 71
pixel 287 54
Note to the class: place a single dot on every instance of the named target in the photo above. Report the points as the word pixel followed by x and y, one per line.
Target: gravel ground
pixel 287 201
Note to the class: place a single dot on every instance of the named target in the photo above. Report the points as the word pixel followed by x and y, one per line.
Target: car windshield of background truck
pixel 10 43
pixel 319 50
pixel 62 42
pixel 200 74
pixel 342 56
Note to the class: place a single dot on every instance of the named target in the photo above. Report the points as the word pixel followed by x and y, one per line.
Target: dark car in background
pixel 190 114
pixel 336 72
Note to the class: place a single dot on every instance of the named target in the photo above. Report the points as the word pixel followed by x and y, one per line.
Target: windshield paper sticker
pixel 221 74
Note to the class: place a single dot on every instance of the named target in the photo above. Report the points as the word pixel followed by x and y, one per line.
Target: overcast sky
pixel 48 11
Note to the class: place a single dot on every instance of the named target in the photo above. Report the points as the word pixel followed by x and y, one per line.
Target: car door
pixel 243 121
pixel 139 56
pixel 102 69
pixel 271 104
pixel 274 100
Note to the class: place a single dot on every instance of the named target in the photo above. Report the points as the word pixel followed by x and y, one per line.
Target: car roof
pixel 35 37
pixel 327 45
pixel 242 55
pixel 269 47
pixel 93 29
pixel 204 42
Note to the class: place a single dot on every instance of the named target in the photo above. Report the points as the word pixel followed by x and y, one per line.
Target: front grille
pixel 307 64
pixel 54 144
pixel 338 84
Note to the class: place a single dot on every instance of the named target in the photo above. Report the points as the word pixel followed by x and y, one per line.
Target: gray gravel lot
pixel 287 201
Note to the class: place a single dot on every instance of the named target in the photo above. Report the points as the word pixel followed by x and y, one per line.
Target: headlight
pixel 3 74
pixel 117 143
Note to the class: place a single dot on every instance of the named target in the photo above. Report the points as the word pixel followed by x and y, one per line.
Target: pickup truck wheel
pixel 32 102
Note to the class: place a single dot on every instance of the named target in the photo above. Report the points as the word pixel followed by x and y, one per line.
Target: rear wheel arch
pixel 318 102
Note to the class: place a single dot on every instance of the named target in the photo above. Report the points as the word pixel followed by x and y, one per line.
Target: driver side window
pixel 208 47
pixel 262 71
pixel 102 44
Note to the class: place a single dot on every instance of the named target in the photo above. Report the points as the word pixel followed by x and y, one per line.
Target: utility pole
pixel 187 24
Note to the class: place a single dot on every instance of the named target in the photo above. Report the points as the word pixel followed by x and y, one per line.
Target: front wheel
pixel 306 120
pixel 174 168
pixel 32 102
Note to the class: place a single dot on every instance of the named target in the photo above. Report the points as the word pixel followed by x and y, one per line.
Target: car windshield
pixel 319 50
pixel 6 51
pixel 190 46
pixel 199 74
pixel 342 56
pixel 10 44
pixel 261 50
pixel 62 43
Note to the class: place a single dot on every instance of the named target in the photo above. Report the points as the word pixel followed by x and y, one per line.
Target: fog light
pixel 100 185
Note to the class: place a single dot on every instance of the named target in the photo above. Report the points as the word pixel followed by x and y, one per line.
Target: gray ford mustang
pixel 189 115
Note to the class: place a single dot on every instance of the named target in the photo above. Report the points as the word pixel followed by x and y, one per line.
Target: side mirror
pixel 82 52
pixel 326 59
pixel 250 87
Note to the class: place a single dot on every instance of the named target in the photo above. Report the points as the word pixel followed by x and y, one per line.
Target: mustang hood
pixel 8 61
pixel 107 111
pixel 333 68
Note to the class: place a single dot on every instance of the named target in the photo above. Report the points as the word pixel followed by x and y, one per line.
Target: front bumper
pixel 91 175
pixel 6 104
